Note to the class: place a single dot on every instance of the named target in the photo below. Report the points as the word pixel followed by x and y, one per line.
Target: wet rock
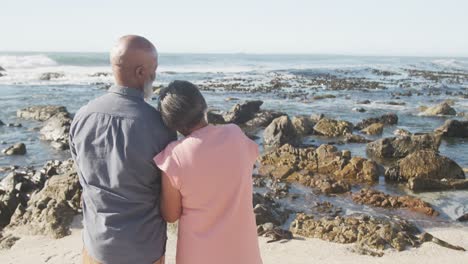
pixel 17 149
pixel 375 233
pixel 281 131
pixel 360 169
pixel 441 109
pixel 1 123
pixel 47 76
pixel 304 126
pixel 351 138
pixel 364 102
pixel 267 211
pixel 380 199
pixel 326 184
pixel 323 96
pixel 374 129
pixel 454 128
pixel 14 125
pixel 386 119
pixel 428 185
pixel 463 218
pixel 2 69
pixel 333 128
pixel 402 133
pixel 359 109
pixel 56 129
pixel 51 210
pixel 394 103
pixel 400 147
pixel 262 119
pixel 214 118
pixel 40 112
pixel 324 167
pixel 241 113
pixel 424 164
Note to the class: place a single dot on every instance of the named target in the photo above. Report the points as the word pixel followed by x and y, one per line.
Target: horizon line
pixel 261 53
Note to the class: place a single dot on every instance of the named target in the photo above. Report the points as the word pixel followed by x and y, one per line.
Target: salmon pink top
pixel 212 169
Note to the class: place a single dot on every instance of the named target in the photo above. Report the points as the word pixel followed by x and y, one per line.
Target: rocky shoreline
pixel 44 201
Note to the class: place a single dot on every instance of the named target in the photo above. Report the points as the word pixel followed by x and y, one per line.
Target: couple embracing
pixel 136 175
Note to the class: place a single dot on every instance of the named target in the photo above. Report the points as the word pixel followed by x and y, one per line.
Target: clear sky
pixel 371 27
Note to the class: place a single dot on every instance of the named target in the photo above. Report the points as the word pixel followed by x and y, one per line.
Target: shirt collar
pixel 126 91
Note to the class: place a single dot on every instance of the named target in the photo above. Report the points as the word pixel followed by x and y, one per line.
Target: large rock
pixel 333 128
pixel 8 204
pixel 241 113
pixel 441 109
pixel 1 123
pixel 324 167
pixel 47 76
pixel 361 169
pixel 380 199
pixel 56 129
pixel 454 128
pixel 463 218
pixel 427 185
pixel 374 129
pixel 261 120
pixel 214 118
pixel 40 112
pixel 386 119
pixel 15 189
pixel 425 164
pixel 281 131
pixel 304 125
pixel 50 211
pixel 400 147
pixel 17 149
pixel 2 69
pixel 373 233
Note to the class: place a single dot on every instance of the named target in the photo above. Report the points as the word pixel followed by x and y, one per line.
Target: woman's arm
pixel 171 201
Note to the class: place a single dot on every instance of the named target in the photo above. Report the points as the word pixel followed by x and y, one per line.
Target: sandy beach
pixel 39 249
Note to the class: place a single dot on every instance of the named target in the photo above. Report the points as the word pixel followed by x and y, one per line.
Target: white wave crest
pixel 452 63
pixel 28 61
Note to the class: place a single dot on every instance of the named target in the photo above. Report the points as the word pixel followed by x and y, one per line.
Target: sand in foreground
pixel 38 249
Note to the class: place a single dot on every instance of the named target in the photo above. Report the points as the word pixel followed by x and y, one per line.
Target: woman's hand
pixel 171 201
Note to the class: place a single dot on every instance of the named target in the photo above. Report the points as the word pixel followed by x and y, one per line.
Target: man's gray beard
pixel 148 90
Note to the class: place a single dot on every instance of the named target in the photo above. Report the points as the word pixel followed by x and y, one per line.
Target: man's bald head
pixel 134 61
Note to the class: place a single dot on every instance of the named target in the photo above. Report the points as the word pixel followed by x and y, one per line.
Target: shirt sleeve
pixel 168 162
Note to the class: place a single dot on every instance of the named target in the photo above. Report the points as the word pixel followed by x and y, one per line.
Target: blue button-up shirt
pixel 113 141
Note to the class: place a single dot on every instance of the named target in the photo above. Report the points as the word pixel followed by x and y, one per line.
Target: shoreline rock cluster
pixel 41 202
pixel 56 127
pixel 45 201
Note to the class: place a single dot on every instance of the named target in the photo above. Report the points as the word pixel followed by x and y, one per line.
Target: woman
pixel 207 183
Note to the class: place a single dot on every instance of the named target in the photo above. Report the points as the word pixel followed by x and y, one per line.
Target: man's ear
pixel 140 71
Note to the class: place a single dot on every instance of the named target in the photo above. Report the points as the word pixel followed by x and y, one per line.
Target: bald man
pixel 113 141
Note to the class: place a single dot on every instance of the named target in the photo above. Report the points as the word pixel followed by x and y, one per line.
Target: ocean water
pixel 21 87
